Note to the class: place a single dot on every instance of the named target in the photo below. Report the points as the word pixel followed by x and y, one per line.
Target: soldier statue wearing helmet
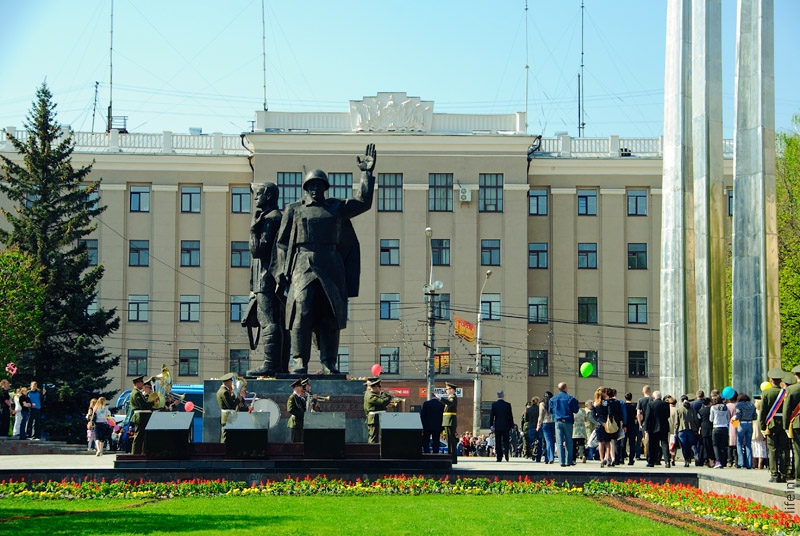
pixel 316 263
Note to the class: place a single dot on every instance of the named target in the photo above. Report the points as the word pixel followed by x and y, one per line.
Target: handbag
pixel 610 425
pixel 592 442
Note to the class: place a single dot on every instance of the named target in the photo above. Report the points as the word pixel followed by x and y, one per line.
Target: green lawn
pixel 505 515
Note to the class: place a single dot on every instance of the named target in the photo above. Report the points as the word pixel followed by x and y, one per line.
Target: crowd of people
pixel 22 408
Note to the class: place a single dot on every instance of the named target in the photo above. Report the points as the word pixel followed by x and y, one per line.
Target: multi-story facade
pixel 572 238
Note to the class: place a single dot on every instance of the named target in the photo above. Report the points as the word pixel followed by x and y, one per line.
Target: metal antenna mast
pixel 94 106
pixel 527 67
pixel 581 124
pixel 264 52
pixel 110 70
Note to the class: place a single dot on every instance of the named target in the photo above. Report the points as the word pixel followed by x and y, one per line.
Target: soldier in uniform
pixel 296 406
pixel 316 256
pixel 142 409
pixel 375 400
pixel 773 428
pixel 227 400
pixel 312 400
pixel 791 419
pixel 449 419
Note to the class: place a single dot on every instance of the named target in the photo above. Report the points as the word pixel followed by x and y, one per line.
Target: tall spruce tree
pixel 54 209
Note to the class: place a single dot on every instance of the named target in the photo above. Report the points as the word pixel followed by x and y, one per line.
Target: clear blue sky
pixel 198 63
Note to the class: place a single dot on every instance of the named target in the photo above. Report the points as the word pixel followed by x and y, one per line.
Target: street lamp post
pixel 476 409
pixel 429 289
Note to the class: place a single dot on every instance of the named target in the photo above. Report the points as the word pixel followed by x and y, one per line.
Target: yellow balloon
pixel 765 386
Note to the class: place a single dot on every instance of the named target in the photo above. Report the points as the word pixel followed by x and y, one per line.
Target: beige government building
pixel 571 236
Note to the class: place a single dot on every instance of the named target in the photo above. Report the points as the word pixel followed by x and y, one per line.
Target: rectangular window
pixel 390 360
pixel 140 198
pixel 137 362
pixel 441 361
pixel 190 308
pixel 440 250
pixel 240 255
pixel 390 192
pixel 238 307
pixel 240 361
pixel 537 363
pixel 390 252
pixel 537 255
pixel 637 310
pixel 290 187
pixel 537 310
pixel 441 306
pixel 587 202
pixel 190 253
pixel 537 202
pixel 343 359
pixel 587 310
pixel 91 309
pixel 190 199
pixel 390 306
pixel 138 308
pixel 587 256
pixel 440 192
pixel 241 197
pixel 92 250
pixel 490 192
pixel 637 202
pixel 490 306
pixel 92 198
pixel 730 201
pixel 637 364
pixel 187 362
pixel 490 360
pixel 490 252
pixel 588 356
pixel 341 185
pixel 139 253
pixel 637 256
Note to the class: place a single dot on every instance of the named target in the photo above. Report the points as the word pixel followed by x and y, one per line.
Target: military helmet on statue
pixel 316 174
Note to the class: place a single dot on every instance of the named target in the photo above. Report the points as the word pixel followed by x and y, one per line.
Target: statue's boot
pixel 329 349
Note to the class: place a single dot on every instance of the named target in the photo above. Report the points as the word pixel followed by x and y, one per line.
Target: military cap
pixel 305 381
pixel 796 369
pixel 372 381
pixel 297 383
pixel 776 373
pixel 138 379
pixel 789 379
pixel 450 385
pixel 227 377
pixel 149 381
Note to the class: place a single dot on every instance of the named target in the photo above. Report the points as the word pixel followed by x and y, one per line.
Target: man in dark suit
pixel 501 420
pixel 431 416
pixel 656 424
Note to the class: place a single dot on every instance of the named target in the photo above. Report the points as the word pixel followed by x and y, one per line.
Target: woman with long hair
pixel 600 413
pixel 547 427
pixel 102 430
pixel 745 413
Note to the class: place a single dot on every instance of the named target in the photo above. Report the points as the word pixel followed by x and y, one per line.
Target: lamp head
pixel 428 232
pixel 488 274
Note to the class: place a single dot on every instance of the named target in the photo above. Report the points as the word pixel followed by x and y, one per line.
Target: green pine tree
pixel 54 208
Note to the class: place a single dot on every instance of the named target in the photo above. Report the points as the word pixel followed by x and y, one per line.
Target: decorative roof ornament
pixel 391 112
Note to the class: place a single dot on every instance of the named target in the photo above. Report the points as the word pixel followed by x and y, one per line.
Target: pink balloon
pixel 189 406
pixel 376 370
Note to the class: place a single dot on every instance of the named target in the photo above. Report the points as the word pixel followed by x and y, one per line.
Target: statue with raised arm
pixel 316 263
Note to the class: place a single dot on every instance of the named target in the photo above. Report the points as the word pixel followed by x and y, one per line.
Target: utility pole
pixel 476 409
pixel 429 289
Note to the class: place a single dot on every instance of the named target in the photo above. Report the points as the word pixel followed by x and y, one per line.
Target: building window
pixel 390 192
pixel 537 363
pixel 390 306
pixel 140 199
pixel 588 356
pixel 343 359
pixel 240 255
pixel 138 308
pixel 490 360
pixel 440 192
pixel 587 255
pixel 190 308
pixel 137 362
pixel 490 192
pixel 187 362
pixel 92 198
pixel 637 364
pixel 390 252
pixel 390 360
pixel 238 307
pixel 537 202
pixel 441 306
pixel 240 200
pixel 440 250
pixel 190 253
pixel 240 361
pixel 490 306
pixel 637 310
pixel 190 199
pixel 637 202
pixel 139 253
pixel 441 361
pixel 490 252
pixel 537 255
pixel 537 310
pixel 91 309
pixel 92 250
pixel 730 201
pixel 637 256
pixel 290 187
pixel 486 414
pixel 341 185
pixel 587 202
pixel 587 310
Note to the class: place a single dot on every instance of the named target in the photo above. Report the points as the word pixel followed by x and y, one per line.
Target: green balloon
pixel 586 370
